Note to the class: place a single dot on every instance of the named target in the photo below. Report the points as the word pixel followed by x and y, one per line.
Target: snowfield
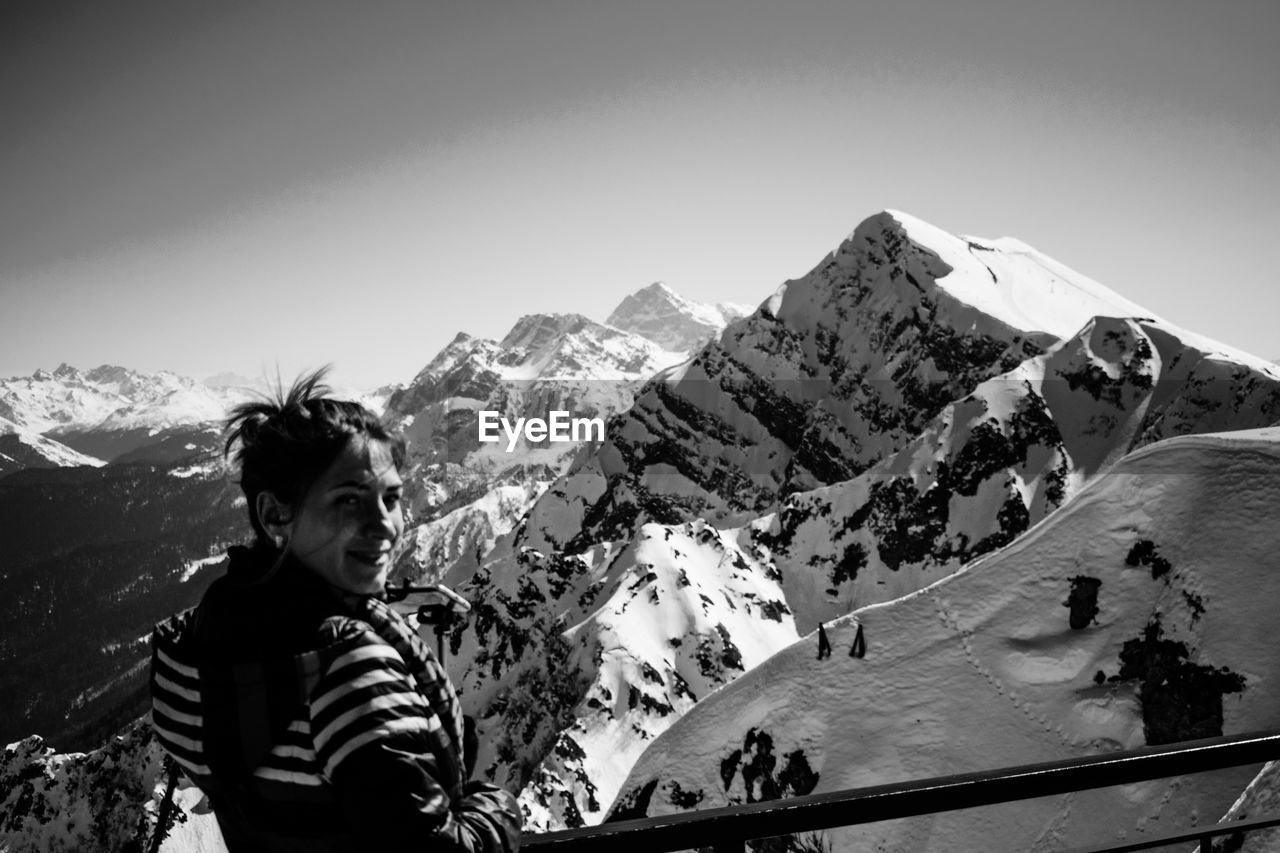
pixel 1076 639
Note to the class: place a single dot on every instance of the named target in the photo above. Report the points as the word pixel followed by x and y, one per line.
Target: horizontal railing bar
pixel 854 806
pixel 1193 834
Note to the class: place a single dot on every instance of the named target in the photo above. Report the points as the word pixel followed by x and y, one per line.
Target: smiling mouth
pixel 373 559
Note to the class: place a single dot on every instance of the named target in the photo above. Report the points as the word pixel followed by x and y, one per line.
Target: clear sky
pixel 203 187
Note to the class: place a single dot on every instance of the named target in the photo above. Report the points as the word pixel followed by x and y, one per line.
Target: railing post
pixel 738 846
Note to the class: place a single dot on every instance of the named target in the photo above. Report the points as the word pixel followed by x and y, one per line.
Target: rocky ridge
pixel 831 374
pixel 996 462
pixel 547 362
pixel 968 482
pixel 1128 617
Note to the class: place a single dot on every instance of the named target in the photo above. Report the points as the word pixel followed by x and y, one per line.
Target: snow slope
pixel 23 448
pixel 1002 458
pixel 1140 612
pixel 465 534
pixel 572 664
pixel 1260 799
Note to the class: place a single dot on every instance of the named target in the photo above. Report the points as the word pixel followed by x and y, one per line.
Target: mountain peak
pixel 657 295
pixel 662 288
pixel 670 320
pixel 229 379
pixel 1006 279
pixel 534 331
pixel 110 373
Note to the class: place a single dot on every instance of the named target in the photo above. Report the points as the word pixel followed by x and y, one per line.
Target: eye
pixel 392 500
pixel 349 499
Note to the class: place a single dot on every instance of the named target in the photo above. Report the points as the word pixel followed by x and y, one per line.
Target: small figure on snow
pixel 859 647
pixel 824 645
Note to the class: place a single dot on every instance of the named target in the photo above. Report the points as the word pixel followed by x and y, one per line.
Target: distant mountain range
pixel 469 492
pixel 1031 510
pixel 109 544
pixel 112 414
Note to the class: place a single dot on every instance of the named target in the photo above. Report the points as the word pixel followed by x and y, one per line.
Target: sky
pixel 253 187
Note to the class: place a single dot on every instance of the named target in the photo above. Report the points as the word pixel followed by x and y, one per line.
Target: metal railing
pixel 726 830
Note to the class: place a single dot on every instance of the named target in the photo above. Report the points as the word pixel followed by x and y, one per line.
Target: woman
pixel 311 714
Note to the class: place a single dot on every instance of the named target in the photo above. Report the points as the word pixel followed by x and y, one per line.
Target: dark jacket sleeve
pixel 386 754
pixel 390 796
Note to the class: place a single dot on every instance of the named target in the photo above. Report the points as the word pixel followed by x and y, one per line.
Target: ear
pixel 276 517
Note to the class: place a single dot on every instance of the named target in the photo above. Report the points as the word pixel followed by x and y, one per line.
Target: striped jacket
pixel 315 721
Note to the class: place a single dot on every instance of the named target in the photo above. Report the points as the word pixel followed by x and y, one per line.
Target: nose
pixel 382 521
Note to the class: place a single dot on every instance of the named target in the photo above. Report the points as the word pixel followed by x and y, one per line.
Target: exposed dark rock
pixel 1143 553
pixel 1195 604
pixel 853 560
pixel 634 805
pixel 774 610
pixel 684 799
pixel 986 452
pixel 905 522
pixel 729 768
pixel 761 778
pixel 1181 700
pixel 1083 601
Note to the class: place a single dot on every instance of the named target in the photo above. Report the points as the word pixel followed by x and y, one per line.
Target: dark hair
pixel 287 439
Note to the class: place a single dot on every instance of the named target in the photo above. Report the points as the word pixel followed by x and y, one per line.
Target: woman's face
pixel 349 521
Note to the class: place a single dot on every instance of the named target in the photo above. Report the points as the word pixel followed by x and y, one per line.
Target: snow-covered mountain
pixel 460 538
pixel 573 663
pixel 547 362
pixel 996 462
pixel 1136 614
pixel 1017 439
pixel 114 414
pixel 228 379
pixel 108 411
pixel 64 803
pixel 665 317
pixel 831 374
pixel 23 448
pixel 961 433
